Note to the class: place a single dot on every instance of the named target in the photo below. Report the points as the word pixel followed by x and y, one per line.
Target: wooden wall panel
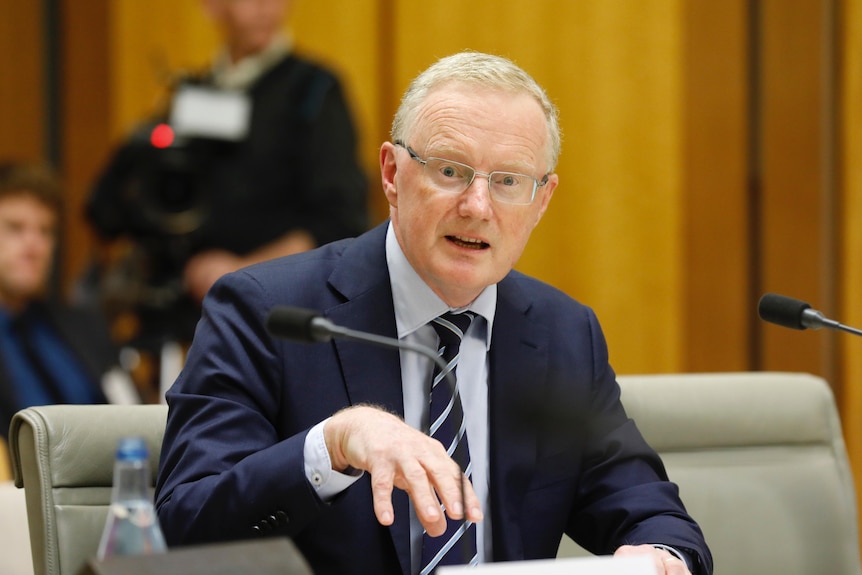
pixel 612 235
pixel 717 239
pixel 85 101
pixel 350 36
pixel 795 232
pixel 851 260
pixel 22 82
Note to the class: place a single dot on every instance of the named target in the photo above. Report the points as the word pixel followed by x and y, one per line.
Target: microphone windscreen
pixel 292 323
pixel 782 310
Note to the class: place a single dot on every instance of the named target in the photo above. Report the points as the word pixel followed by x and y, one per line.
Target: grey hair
pixel 480 70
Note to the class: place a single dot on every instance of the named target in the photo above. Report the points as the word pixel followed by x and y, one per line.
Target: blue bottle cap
pixel 132 449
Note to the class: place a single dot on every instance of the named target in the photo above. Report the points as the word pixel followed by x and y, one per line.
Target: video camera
pixel 166 163
pixel 155 192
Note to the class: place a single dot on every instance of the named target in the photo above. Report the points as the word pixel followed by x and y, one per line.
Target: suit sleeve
pixel 624 496
pixel 229 467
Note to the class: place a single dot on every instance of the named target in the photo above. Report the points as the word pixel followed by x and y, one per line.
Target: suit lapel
pixel 372 374
pixel 518 365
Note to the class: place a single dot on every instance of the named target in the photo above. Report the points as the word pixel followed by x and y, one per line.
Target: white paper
pixel 636 565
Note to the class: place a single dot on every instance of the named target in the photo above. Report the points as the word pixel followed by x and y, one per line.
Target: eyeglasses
pixel 454 178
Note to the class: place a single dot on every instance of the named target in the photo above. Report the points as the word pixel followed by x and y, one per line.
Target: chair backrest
pixel 63 456
pixel 761 465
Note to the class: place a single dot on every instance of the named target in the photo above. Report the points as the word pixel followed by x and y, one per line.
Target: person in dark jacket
pixel 199 203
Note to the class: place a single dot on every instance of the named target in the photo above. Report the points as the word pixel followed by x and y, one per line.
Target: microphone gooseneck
pixel 308 326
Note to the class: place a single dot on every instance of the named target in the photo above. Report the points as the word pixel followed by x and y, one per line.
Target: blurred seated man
pixel 208 203
pixel 49 353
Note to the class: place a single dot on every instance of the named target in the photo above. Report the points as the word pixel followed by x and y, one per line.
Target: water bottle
pixel 132 527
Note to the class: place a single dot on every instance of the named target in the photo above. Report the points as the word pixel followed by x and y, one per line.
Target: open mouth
pixel 469 243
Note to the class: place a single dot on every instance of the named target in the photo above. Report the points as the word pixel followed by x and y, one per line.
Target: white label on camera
pixel 209 113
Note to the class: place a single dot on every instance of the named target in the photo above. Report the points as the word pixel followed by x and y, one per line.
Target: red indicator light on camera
pixel 162 136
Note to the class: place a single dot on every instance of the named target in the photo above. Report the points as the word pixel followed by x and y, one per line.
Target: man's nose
pixel 476 199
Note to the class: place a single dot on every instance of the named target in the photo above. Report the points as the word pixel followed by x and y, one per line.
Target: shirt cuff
pixel 676 553
pixel 318 467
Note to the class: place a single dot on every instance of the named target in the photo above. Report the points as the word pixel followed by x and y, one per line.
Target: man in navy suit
pixel 329 443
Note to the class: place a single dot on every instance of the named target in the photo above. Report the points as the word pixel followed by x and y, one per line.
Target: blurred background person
pixel 49 352
pixel 255 158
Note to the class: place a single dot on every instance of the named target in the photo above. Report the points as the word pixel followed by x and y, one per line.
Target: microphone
pixel 796 314
pixel 308 326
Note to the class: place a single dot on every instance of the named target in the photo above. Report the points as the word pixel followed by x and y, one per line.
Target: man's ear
pixel 388 171
pixel 544 195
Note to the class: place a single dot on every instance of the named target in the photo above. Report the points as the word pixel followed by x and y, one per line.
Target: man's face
pixel 27 238
pixel 248 25
pixel 461 243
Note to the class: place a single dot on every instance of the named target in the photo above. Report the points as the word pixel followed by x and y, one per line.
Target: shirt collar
pixel 416 304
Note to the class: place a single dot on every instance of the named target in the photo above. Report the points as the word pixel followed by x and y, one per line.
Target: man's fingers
pixel 381 492
pixel 457 494
pixel 665 563
pixel 471 502
pixel 448 487
pixel 435 487
pixel 446 477
pixel 415 480
pixel 674 566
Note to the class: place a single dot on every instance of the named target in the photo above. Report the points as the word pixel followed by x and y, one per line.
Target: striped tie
pixel 457 546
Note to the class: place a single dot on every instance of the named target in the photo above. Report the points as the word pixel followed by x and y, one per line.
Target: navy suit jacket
pixel 232 459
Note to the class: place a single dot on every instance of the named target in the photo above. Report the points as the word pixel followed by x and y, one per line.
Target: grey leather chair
pixel 63 456
pixel 761 464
